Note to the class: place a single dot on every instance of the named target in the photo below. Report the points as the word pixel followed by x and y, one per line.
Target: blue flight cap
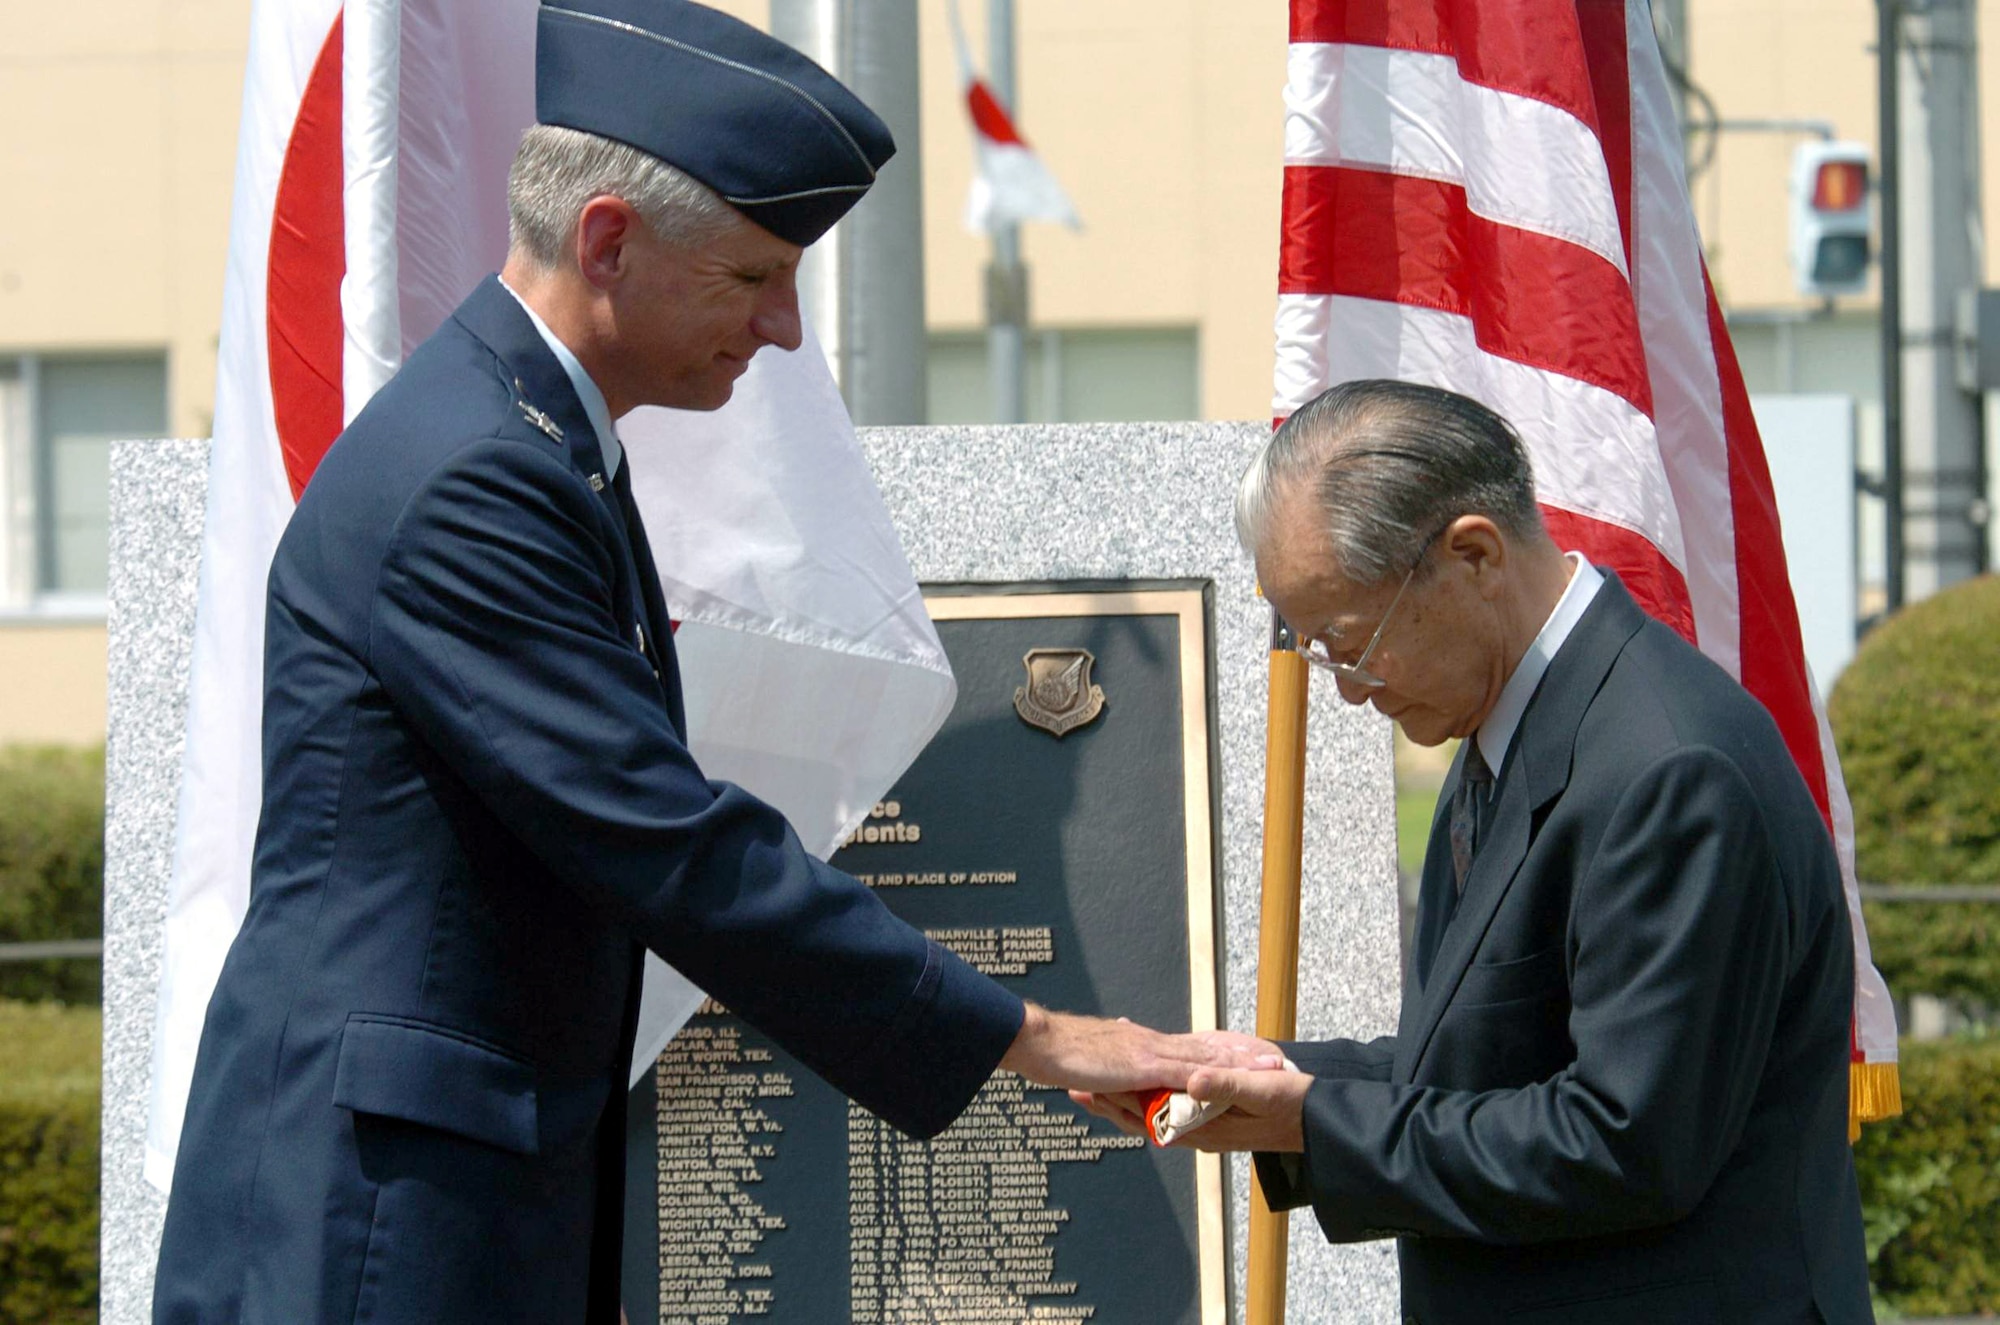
pixel 776 135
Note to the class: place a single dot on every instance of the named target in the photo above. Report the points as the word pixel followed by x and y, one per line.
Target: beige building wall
pixel 1164 119
pixel 121 143
pixel 52 684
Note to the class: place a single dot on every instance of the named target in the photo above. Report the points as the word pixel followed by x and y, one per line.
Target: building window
pixel 59 415
pixel 1102 375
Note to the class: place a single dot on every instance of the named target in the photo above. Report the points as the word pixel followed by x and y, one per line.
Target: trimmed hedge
pixel 1917 719
pixel 1930 1183
pixel 49 1097
pixel 51 866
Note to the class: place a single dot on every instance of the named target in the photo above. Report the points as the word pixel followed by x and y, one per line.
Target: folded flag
pixel 1172 1114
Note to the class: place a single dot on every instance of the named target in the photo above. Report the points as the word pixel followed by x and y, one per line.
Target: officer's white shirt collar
pixel 594 407
pixel 1497 732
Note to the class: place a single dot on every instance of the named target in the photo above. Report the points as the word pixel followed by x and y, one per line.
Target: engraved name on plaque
pixel 1058 834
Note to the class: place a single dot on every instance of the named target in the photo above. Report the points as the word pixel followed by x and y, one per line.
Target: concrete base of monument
pixel 1105 502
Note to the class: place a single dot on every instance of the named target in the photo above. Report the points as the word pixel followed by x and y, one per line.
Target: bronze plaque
pixel 1079 871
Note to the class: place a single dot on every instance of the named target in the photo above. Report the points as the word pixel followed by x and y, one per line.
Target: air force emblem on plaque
pixel 1059 697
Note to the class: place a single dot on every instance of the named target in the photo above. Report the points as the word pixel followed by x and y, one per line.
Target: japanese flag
pixel 1011 183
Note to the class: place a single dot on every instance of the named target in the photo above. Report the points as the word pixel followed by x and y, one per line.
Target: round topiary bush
pixel 1930 1182
pixel 1916 716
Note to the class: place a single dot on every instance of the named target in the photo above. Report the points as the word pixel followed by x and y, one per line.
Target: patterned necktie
pixel 1474 778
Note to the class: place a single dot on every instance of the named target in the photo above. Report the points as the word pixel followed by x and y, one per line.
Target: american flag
pixel 1489 196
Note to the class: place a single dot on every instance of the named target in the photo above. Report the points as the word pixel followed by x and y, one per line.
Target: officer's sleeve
pixel 1679 949
pixel 492 631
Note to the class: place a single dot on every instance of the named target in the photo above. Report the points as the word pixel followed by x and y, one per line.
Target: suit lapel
pixel 1535 773
pixel 1494 865
pixel 1437 899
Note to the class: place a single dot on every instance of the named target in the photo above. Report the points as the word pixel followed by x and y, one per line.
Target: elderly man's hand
pixel 1265 1108
pixel 1093 1054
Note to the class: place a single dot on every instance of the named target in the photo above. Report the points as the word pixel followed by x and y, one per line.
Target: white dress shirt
pixel 1497 732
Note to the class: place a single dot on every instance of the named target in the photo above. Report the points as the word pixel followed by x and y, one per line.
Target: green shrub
pixel 1946 949
pixel 51 866
pixel 1917 719
pixel 1414 810
pixel 1930 1183
pixel 49 1095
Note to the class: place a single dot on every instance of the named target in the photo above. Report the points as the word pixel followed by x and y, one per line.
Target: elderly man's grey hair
pixel 1391 464
pixel 558 170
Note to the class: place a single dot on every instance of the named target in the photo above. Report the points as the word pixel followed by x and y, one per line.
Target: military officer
pixel 479 805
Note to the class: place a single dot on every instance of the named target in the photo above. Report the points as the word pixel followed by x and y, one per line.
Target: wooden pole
pixel 1278 934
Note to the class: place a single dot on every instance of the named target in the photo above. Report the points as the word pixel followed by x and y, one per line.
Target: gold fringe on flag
pixel 1874 1092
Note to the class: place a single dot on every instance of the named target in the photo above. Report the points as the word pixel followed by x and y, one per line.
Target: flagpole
pixel 862 286
pixel 1278 933
pixel 1006 276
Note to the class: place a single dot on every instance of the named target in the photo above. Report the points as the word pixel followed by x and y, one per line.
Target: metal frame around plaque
pixel 1185 601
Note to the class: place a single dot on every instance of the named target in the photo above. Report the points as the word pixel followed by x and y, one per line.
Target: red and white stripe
pixel 1488 196
pixel 370 197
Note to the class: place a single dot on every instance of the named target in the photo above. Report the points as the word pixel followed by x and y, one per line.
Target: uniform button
pixel 1411 1320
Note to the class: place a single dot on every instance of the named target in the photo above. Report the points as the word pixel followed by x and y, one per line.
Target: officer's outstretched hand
pixel 1096 1055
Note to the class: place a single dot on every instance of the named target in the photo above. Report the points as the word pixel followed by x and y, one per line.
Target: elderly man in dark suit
pixel 1619 1087
pixel 479 806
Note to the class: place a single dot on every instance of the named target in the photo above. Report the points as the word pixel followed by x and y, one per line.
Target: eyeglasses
pixel 1356 673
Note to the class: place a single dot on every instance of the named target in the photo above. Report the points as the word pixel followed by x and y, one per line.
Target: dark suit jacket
pixel 478 806
pixel 1619 1087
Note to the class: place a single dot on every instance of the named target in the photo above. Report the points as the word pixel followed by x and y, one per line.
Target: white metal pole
pixel 1007 277
pixel 862 287
pixel 1940 243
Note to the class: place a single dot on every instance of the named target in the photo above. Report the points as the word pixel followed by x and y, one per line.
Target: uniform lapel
pixel 653 602
pixel 543 397
pixel 1535 773
pixel 546 400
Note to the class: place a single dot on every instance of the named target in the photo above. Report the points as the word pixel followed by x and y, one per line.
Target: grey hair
pixel 1391 464
pixel 558 170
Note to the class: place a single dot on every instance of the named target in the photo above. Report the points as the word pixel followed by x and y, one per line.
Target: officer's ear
pixel 605 231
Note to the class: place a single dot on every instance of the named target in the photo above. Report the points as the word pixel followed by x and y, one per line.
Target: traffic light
pixel 1830 218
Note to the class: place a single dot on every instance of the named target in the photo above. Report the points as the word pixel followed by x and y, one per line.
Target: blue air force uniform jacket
pixel 479 808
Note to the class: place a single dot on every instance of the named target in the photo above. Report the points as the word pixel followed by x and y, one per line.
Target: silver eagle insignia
pixel 537 418
pixel 1059 697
